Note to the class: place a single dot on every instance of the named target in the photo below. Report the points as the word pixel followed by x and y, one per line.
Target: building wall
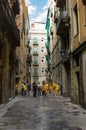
pixel 38 31
pixel 9 37
pixel 84 73
pixel 78 49
pixel 22 51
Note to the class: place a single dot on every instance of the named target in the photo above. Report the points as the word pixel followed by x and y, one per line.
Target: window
pixel 75 20
pixel 35 41
pixel 35 60
pixel 35 71
pixel 35 50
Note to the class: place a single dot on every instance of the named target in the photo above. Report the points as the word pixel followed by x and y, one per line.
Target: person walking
pixel 29 87
pixel 34 89
pixel 39 89
pixel 25 89
pixel 22 88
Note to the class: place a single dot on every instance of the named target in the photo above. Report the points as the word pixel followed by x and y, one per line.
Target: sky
pixel 38 10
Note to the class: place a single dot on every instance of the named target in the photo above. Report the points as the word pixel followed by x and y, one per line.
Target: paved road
pixel 42 113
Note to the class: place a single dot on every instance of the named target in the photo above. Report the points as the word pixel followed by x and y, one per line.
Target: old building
pixel 63 28
pixel 22 51
pixel 78 50
pixel 59 45
pixel 9 40
pixel 68 52
pixel 38 49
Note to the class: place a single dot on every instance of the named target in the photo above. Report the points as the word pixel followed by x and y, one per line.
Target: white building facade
pixel 38 51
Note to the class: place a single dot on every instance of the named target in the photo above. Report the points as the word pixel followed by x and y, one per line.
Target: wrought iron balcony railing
pixel 29 59
pixel 63 22
pixel 35 63
pixel 35 75
pixel 35 53
pixel 60 3
pixel 65 54
pixel 51 30
pixel 55 15
pixel 7 21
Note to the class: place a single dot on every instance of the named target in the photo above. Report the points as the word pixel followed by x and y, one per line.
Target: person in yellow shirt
pixel 25 88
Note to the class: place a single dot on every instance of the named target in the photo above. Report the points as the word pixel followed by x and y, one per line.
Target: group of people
pixel 48 88
pixel 25 88
pixel 36 89
pixel 51 88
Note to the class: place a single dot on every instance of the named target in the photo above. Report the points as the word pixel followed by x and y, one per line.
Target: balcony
pixel 35 75
pixel 29 59
pixel 35 63
pixel 51 30
pixel 55 15
pixel 15 6
pixel 35 43
pixel 7 22
pixel 65 54
pixel 63 23
pixel 60 3
pixel 35 53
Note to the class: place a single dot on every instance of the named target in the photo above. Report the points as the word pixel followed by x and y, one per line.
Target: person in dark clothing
pixel 29 87
pixel 34 89
pixel 39 89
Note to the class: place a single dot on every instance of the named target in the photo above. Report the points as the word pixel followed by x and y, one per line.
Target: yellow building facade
pixel 78 50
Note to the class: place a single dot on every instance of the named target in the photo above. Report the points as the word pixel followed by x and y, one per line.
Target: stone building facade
pixel 9 40
pixel 22 51
pixel 68 55
pixel 14 31
pixel 78 51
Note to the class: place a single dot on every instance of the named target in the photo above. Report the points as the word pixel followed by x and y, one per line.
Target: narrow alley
pixel 42 113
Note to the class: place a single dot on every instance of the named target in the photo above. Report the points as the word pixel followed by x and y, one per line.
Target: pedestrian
pixel 22 88
pixel 29 87
pixel 25 89
pixel 39 89
pixel 34 89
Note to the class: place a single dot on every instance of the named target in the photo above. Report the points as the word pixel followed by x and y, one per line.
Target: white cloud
pixel 28 2
pixel 47 5
pixel 41 17
pixel 31 8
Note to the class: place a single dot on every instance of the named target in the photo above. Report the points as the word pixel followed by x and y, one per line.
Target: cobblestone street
pixel 42 113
